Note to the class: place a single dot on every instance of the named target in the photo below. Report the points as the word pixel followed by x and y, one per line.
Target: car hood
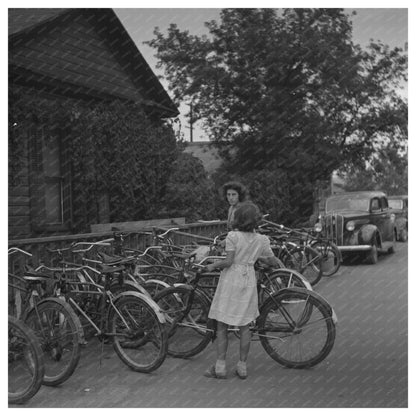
pixel 349 213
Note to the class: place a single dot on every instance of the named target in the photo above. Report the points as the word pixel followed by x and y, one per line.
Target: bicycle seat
pixel 108 268
pixel 33 276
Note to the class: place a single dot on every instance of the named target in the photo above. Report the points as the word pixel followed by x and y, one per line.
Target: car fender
pixel 368 233
pixel 401 223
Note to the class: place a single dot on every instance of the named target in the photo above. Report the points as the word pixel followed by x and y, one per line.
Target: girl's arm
pixel 222 264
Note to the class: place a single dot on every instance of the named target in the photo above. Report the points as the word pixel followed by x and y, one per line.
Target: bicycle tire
pixel 312 338
pixel 142 345
pixel 154 286
pixel 26 366
pixel 187 335
pixel 116 288
pixel 58 329
pixel 331 255
pixel 306 261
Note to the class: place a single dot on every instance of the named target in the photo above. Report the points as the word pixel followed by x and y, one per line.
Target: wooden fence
pixel 199 232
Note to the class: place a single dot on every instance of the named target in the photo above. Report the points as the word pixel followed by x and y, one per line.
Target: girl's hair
pixel 246 217
pixel 238 187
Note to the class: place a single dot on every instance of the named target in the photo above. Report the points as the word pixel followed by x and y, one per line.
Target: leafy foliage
pixel 123 154
pixel 190 193
pixel 386 171
pixel 113 149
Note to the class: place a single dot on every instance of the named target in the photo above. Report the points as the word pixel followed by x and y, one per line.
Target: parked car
pixel 399 206
pixel 360 222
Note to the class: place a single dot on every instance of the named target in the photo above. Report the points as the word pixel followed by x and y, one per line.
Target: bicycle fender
pixel 63 303
pixel 147 300
pixel 134 286
pixel 186 286
pixel 327 306
pixel 200 291
pixel 159 282
pixel 295 272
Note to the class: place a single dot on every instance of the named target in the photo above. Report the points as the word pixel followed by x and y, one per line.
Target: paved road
pixel 367 367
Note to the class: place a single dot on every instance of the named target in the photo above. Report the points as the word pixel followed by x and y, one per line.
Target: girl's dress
pixel 235 301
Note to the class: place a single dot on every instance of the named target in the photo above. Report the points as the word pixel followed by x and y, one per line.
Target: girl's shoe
pixel 211 373
pixel 241 370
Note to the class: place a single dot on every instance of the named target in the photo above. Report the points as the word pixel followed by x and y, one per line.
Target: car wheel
pixel 392 249
pixel 403 235
pixel 372 256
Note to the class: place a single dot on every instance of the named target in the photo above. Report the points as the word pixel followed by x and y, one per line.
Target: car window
pixel 384 204
pixel 353 204
pixel 395 203
pixel 375 204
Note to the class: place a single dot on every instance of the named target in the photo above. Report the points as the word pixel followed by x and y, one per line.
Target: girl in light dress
pixel 235 301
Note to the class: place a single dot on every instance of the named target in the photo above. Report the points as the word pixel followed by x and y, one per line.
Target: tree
pixel 189 192
pixel 387 170
pixel 288 90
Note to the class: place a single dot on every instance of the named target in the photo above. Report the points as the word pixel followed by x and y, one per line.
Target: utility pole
pixel 191 122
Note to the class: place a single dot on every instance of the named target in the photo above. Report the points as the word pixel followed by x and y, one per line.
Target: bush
pixel 189 192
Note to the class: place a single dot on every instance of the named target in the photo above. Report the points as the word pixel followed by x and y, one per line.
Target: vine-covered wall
pixel 119 159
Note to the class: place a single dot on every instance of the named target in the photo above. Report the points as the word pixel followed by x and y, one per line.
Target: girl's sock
pixel 220 366
pixel 241 365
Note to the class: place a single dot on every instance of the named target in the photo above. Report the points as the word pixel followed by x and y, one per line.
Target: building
pixel 61 55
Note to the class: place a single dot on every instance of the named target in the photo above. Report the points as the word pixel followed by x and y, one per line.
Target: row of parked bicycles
pixel 154 302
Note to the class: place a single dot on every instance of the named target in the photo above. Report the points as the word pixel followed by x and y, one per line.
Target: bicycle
pixel 134 278
pixel 291 246
pixel 52 320
pixel 130 319
pixel 25 359
pixel 296 326
pixel 331 255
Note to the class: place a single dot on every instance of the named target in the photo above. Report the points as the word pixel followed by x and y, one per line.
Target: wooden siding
pixel 18 189
pixel 74 52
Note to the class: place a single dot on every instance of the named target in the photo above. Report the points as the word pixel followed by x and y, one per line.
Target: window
pixel 50 201
pixel 53 179
pixel 375 204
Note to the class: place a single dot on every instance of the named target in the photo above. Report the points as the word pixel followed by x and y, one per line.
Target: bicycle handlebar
pixel 105 243
pixel 67 269
pixel 167 232
pixel 13 250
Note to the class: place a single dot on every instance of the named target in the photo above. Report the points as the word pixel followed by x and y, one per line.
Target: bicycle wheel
pixel 331 256
pixel 296 328
pixel 187 329
pixel 26 367
pixel 306 261
pixel 57 327
pixel 154 286
pixel 282 278
pixel 139 337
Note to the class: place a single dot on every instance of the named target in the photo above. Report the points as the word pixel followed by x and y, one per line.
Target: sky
pixel 389 25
